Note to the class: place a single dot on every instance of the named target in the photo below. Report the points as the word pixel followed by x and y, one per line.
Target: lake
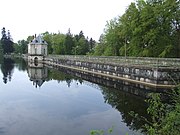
pixel 48 101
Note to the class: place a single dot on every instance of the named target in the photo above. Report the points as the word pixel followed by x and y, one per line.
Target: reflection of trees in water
pixel 125 103
pixel 62 76
pixel 21 64
pixel 7 67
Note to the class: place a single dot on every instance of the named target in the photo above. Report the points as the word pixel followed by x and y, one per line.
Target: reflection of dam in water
pixel 136 89
pixel 66 94
pixel 38 74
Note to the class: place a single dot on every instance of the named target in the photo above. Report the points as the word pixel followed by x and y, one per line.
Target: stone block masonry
pixel 150 74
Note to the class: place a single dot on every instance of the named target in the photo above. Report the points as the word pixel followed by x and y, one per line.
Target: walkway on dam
pixel 155 72
pixel 118 60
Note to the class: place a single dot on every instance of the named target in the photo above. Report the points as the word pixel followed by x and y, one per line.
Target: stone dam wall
pixel 121 85
pixel 145 74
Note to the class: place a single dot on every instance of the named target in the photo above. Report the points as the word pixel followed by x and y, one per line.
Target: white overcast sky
pixel 29 17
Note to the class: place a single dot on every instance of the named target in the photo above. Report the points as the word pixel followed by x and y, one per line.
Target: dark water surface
pixel 44 101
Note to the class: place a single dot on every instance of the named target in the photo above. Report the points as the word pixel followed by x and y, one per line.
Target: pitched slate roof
pixel 38 40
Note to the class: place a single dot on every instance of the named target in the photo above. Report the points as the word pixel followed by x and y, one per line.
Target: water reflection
pixel 125 103
pixel 83 106
pixel 135 89
pixel 7 66
pixel 61 76
pixel 21 64
pixel 37 73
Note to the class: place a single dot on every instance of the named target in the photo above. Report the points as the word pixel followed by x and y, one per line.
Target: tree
pixel 130 31
pixel 7 42
pixel 30 38
pixel 68 43
pixel 165 116
pixel 63 44
pixel 49 39
pixel 3 34
pixel 58 43
pixel 17 48
pixel 100 47
pixel 21 47
pixel 81 46
pixel 92 44
pixel 144 27
pixel 1 50
pixel 112 38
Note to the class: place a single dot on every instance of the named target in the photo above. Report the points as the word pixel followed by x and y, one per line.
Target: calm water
pixel 42 101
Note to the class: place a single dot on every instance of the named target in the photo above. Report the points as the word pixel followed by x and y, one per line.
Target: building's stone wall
pixel 37 49
pixel 32 58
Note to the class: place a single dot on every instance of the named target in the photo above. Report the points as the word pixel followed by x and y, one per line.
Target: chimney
pixel 35 35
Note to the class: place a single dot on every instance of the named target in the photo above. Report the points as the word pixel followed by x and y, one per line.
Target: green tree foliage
pixel 49 39
pixel 92 44
pixel 82 45
pixel 164 112
pixel 30 38
pixel 68 43
pixel 147 28
pixel 112 39
pixel 58 44
pixel 161 118
pixel 61 44
pixel 99 47
pixel 165 116
pixel 1 50
pixel 21 47
pixel 6 42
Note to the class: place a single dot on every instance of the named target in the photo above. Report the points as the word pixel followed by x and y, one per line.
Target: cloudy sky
pixel 28 17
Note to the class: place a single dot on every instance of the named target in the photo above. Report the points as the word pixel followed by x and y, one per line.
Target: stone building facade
pixel 37 49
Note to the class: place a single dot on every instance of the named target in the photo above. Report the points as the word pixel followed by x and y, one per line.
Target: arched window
pixel 36 60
